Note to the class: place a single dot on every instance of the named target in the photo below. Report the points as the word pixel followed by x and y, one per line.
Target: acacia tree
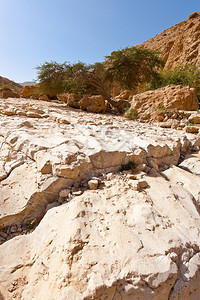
pixel 129 67
pixel 51 78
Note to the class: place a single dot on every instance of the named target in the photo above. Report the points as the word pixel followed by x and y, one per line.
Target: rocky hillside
pixel 179 44
pixel 96 206
pixel 9 83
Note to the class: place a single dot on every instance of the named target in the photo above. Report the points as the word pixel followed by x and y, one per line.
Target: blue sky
pixel 35 31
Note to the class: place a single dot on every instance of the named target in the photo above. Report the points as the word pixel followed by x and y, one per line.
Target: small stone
pixel 109 176
pixel 13 229
pixel 194 118
pixel 141 167
pixel 64 193
pixel 93 184
pixel 192 129
pixel 33 115
pixel 77 193
pixel 132 176
pixel 165 119
pixel 142 184
pixel 174 116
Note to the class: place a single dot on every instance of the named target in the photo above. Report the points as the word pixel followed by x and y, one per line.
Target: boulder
pixel 170 97
pixel 126 94
pixel 95 103
pixel 28 91
pixel 63 97
pixel 194 118
pixel 44 98
pixel 192 129
pixel 71 99
pixel 8 93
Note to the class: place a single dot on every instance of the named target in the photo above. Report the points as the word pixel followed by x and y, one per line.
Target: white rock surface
pixel 114 243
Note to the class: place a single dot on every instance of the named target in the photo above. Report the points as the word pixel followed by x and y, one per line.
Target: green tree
pixel 51 77
pixel 129 67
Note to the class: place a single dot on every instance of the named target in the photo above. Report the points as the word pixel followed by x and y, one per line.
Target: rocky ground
pixel 95 206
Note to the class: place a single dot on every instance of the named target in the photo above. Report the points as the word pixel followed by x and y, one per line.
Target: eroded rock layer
pixel 179 44
pixel 131 234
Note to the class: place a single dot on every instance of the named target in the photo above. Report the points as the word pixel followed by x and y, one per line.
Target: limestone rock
pixel 93 184
pixel 8 93
pixel 192 129
pixel 191 163
pixel 43 97
pixel 71 99
pixel 113 242
pixel 95 103
pixel 151 252
pixel 170 97
pixel 178 44
pixel 126 94
pixel 194 118
pixel 29 91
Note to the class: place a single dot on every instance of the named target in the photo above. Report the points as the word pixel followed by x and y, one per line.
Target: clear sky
pixel 35 31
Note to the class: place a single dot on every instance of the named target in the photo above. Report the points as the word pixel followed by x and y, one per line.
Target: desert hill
pixel 179 44
pixel 25 83
pixel 9 83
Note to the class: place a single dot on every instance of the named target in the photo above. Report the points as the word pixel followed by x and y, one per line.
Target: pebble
pixel 109 176
pixel 93 184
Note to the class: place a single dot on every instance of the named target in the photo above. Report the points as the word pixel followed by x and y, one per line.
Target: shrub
pixel 188 75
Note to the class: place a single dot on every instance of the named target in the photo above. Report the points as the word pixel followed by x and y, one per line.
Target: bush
pixel 188 75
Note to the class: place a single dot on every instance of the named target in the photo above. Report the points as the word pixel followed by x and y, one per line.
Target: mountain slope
pixel 179 44
pixel 11 84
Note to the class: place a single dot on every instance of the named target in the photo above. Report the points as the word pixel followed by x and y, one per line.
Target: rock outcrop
pixel 28 91
pixel 95 103
pixel 71 99
pixel 73 225
pixel 43 97
pixel 179 44
pixel 16 87
pixel 8 93
pixel 170 97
